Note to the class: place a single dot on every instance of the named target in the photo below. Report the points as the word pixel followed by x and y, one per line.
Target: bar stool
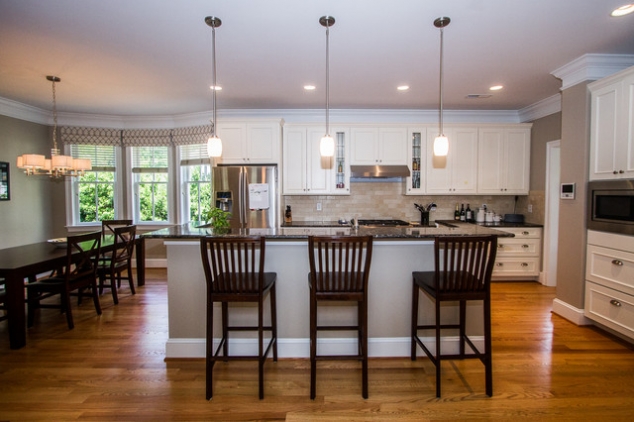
pixel 234 271
pixel 463 267
pixel 339 271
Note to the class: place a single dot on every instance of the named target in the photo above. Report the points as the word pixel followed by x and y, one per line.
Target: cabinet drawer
pixel 521 247
pixel 610 267
pixel 610 307
pixel 523 232
pixel 516 267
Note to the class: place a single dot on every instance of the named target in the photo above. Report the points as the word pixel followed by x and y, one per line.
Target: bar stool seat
pixel 463 267
pixel 339 271
pixel 234 272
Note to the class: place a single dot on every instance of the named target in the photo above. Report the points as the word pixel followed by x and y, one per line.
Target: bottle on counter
pixel 469 214
pixel 463 214
pixel 456 214
pixel 288 216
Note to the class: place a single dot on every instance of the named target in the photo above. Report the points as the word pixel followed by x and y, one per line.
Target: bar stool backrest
pixel 464 264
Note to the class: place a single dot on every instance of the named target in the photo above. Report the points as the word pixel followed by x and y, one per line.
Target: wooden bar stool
pixel 234 271
pixel 339 271
pixel 463 267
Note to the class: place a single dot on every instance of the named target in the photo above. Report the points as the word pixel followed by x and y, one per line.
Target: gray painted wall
pixel 575 149
pixel 543 131
pixel 36 209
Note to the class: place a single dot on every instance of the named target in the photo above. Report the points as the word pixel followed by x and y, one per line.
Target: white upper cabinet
pixel 504 160
pixel 457 172
pixel 305 171
pixel 374 145
pixel 416 159
pixel 250 142
pixel 612 127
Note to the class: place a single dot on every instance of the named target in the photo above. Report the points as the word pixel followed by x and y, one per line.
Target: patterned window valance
pixel 147 137
pixel 73 135
pixel 191 135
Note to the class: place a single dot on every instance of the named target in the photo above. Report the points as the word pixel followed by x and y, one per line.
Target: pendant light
pixel 214 144
pixel 327 144
pixel 58 165
pixel 441 143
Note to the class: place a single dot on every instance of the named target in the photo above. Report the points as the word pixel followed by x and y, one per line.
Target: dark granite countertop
pixel 196 231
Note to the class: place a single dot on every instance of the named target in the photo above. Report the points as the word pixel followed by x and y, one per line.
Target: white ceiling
pixel 153 57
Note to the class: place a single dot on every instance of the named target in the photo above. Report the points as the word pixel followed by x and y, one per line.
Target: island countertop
pixel 194 230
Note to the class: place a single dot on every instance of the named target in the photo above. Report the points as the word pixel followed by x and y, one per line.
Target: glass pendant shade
pixel 441 146
pixel 214 146
pixel 327 146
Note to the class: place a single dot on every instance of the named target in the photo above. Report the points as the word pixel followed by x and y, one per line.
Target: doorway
pixel 551 218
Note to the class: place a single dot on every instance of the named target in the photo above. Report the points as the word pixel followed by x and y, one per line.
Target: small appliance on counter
pixel 514 218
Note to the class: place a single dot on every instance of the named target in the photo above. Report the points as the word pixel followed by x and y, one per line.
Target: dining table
pixel 21 263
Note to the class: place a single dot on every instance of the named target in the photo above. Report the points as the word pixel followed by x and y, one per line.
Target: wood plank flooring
pixel 113 368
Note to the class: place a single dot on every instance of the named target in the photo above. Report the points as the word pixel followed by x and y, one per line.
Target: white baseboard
pixel 300 347
pixel 571 313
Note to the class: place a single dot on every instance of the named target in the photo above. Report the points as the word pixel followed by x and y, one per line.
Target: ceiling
pixel 153 57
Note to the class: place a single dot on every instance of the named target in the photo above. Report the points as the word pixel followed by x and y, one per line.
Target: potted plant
pixel 218 219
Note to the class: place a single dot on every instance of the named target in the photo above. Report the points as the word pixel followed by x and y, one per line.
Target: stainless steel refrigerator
pixel 249 193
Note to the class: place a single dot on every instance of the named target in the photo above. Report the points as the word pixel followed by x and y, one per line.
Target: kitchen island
pixel 397 252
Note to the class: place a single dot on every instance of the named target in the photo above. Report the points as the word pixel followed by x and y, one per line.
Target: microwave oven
pixel 611 206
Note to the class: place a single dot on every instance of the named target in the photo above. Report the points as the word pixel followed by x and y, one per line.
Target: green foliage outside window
pixel 96 197
pixel 199 192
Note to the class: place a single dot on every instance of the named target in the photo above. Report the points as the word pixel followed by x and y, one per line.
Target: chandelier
pixel 58 165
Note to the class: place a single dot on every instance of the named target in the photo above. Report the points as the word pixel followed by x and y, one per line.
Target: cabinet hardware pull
pixel 524 264
pixel 621 171
pixel 617 262
pixel 615 303
pixel 615 172
pixel 524 246
pixel 499 264
pixel 525 233
pixel 501 246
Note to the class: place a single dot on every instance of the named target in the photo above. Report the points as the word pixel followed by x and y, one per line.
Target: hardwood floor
pixel 113 367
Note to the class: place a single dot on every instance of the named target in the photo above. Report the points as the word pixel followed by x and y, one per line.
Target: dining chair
pixel 339 271
pixel 119 260
pixel 234 272
pixel 80 272
pixel 462 273
pixel 108 226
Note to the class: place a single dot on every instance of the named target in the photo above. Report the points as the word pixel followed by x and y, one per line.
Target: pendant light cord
pixel 214 87
pixel 54 150
pixel 327 80
pixel 441 84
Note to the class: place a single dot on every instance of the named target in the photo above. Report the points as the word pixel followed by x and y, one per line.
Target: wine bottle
pixel 456 214
pixel 469 216
pixel 463 215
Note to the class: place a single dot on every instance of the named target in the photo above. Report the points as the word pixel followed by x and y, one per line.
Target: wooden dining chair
pixel 108 226
pixel 234 271
pixel 339 271
pixel 80 272
pixel 120 259
pixel 462 273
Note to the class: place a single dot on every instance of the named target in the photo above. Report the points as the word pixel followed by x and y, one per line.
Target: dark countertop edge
pixel 190 231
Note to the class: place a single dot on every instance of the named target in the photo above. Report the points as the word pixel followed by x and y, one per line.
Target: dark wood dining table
pixel 21 262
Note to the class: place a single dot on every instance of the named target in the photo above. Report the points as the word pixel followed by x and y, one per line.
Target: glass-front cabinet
pixel 342 168
pixel 416 152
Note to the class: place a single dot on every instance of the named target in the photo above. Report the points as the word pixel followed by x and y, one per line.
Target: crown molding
pixel 592 67
pixel 21 111
pixel 543 108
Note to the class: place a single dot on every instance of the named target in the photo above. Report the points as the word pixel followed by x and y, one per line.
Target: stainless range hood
pixel 380 171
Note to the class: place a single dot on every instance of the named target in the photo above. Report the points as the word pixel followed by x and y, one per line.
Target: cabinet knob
pixel 499 264
pixel 525 246
pixel 524 264
pixel 617 262
pixel 615 172
pixel 621 172
pixel 500 246
pixel 525 233
pixel 615 303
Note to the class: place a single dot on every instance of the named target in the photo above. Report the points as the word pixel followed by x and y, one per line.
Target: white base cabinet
pixel 519 256
pixel 609 295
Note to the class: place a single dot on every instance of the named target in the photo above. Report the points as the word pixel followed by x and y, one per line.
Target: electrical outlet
pixel 530 207
pixel 484 205
pixel 318 206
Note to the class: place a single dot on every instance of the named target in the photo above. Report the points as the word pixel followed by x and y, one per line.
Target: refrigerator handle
pixel 243 197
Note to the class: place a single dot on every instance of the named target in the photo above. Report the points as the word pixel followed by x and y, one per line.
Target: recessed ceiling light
pixel 217 87
pixel 403 87
pixel 477 96
pixel 309 87
pixel 496 87
pixel 626 9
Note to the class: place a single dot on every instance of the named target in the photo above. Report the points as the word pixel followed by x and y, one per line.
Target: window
pixel 95 194
pixel 196 182
pixel 150 178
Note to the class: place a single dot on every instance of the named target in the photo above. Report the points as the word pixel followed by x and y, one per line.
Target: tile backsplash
pixel 386 200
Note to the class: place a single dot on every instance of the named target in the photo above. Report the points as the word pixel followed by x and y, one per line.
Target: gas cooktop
pixel 383 223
